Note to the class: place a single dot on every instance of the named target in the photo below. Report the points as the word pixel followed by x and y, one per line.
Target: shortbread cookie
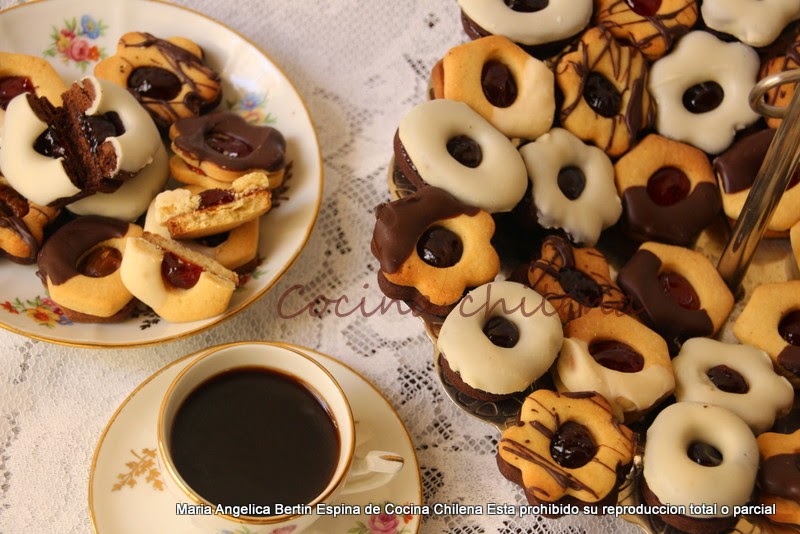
pixel 22 225
pixel 606 101
pixel 446 144
pixel 222 146
pixel 99 138
pixel 21 73
pixel 794 236
pixel 543 28
pixel 668 189
pixel 779 475
pixel 737 377
pixel 737 169
pixel 500 339
pixel 566 446
pixel 619 358
pixel 431 248
pixel 703 107
pixel 698 453
pixel 771 322
pixel 179 284
pixel 782 95
pixel 499 80
pixel 169 77
pixel 574 279
pixel 572 185
pixel 651 27
pixel 676 291
pixel 80 266
pixel 754 22
pixel 213 211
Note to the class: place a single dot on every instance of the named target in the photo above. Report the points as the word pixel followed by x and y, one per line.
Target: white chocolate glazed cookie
pixel 618 357
pixel 559 20
pixel 495 184
pixel 677 479
pixel 520 102
pixel 700 58
pixel 737 377
pixel 582 210
pixel 132 197
pixel 754 22
pixel 486 366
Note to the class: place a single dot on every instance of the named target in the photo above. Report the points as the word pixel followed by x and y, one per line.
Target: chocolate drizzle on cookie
pixel 156 89
pixel 580 289
pixel 645 31
pixel 13 207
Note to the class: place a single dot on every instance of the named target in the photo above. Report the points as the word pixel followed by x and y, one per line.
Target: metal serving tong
pixel 773 178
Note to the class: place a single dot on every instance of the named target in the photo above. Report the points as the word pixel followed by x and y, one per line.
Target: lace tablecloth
pixel 359 66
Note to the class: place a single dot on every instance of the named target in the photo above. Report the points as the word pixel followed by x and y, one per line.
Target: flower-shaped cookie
pixel 565 445
pixel 605 92
pixel 168 76
pixel 754 22
pixel 431 248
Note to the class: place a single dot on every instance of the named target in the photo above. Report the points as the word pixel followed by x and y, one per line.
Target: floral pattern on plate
pixel 41 310
pixel 383 523
pixel 73 42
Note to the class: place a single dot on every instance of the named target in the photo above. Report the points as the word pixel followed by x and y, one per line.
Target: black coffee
pixel 255 436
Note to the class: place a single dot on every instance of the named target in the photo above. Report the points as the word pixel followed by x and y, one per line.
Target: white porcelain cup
pixel 355 470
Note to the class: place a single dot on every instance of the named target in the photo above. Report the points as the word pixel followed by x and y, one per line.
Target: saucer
pixel 126 488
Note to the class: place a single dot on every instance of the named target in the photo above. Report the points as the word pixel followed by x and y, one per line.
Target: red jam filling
pixel 679 288
pixel 668 186
pixel 703 97
pixel 214 197
pixel 789 328
pixel 571 182
pixel 154 82
pixel 178 272
pixel 645 8
pixel 498 84
pixel 465 150
pixel 616 356
pixel 439 247
pixel 601 95
pixel 100 262
pixel 501 332
pixel 727 379
pixel 11 86
pixel 572 446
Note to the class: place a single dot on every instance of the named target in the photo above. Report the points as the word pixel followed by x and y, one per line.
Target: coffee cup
pixel 258 435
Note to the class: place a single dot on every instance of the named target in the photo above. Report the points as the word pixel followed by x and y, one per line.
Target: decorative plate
pixel 73 35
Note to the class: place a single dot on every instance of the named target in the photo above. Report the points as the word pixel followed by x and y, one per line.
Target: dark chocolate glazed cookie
pixel 431 248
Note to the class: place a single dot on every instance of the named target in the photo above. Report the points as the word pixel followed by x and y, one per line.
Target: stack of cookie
pixel 96 149
pixel 564 129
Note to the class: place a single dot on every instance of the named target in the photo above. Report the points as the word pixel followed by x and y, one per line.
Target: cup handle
pixel 372 471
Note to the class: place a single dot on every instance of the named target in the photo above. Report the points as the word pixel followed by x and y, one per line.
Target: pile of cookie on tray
pixel 84 191
pixel 557 129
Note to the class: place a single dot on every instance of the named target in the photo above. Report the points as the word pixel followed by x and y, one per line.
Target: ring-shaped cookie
pixel 524 452
pixel 707 370
pixel 521 104
pixel 491 368
pixel 44 179
pixel 754 22
pixel 619 358
pixel 676 291
pixel 668 189
pixel 653 34
pixel 141 272
pixel 61 256
pixel 697 59
pixel 759 324
pixel 676 479
pixel 560 20
pixel 596 206
pixel 604 84
pixel 499 180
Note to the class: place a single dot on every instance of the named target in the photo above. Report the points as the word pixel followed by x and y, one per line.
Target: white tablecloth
pixel 360 66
